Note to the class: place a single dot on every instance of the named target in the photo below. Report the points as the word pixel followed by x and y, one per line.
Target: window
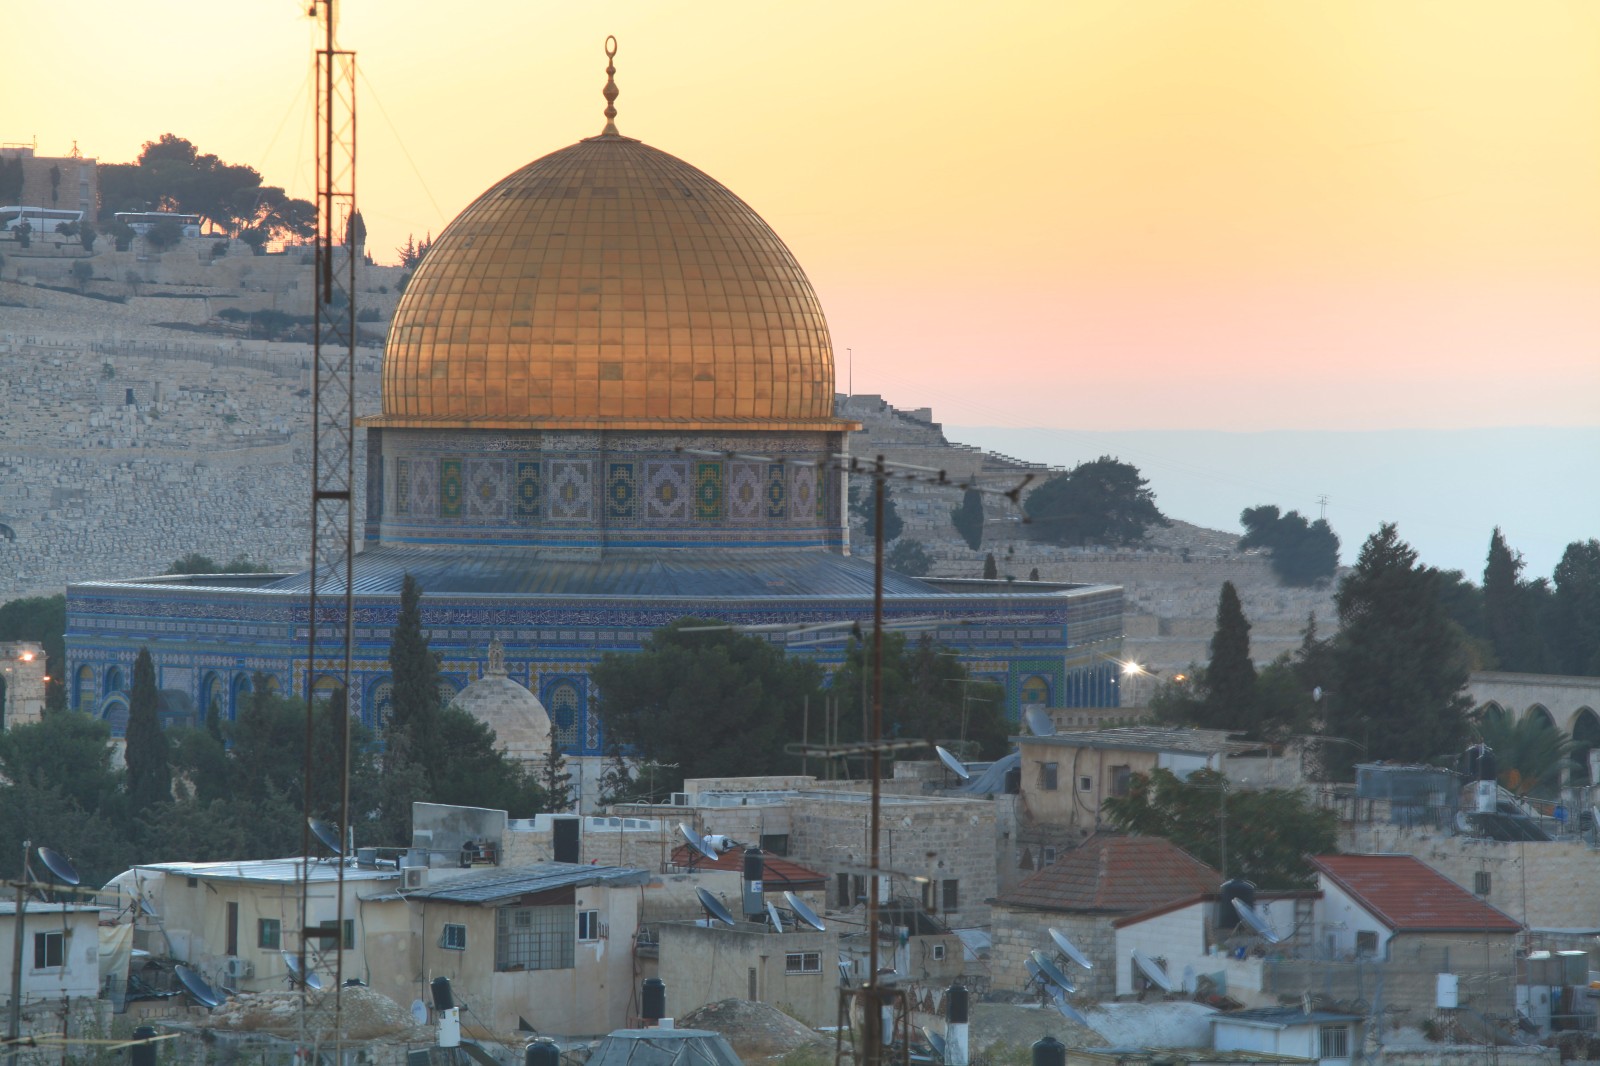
pixel 952 898
pixel 233 929
pixel 1047 776
pixel 269 933
pixel 588 925
pixel 802 962
pixel 1366 943
pixel 845 898
pixel 1047 855
pixel 1085 784
pixel 1121 780
pixel 534 938
pixel 49 950
pixel 938 953
pixel 775 843
pixel 1480 883
pixel 453 936
pixel 329 932
pixel 1334 1042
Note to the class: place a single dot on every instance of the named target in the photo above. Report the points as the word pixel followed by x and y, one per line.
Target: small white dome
pixel 521 725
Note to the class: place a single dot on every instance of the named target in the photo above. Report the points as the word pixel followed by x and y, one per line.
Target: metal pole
pixel 872 1013
pixel 14 1029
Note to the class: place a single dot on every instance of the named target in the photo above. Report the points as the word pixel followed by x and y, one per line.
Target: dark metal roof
pixel 633 574
pixel 488 886
pixel 1149 738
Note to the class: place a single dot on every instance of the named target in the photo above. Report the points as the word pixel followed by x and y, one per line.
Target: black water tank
pixel 955 1004
pixel 652 1000
pixel 443 998
pixel 754 866
pixel 143 1054
pixel 1048 1051
pixel 1237 888
pixel 541 1053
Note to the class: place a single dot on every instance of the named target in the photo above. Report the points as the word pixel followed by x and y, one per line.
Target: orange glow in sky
pixel 1092 213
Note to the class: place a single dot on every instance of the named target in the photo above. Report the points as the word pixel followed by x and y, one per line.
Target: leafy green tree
pixel 24 232
pixel 863 506
pixel 195 563
pixel 58 787
pixel 1529 752
pixel 968 518
pixel 1105 501
pixel 121 234
pixel 11 178
pixel 1399 663
pixel 928 694
pixel 1510 622
pixel 87 235
pixel 1230 678
pixel 163 235
pixel 706 701
pixel 991 569
pixel 43 620
pixel 1575 608
pixel 147 756
pixel 1269 832
pixel 908 557
pixel 81 273
pixel 1302 552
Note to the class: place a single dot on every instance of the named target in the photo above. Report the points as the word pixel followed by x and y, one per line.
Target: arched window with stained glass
pixel 565 706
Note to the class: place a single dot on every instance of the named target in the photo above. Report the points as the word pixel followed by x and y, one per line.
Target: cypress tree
pixel 149 769
pixel 416 704
pixel 1508 611
pixel 968 518
pixel 991 570
pixel 1231 675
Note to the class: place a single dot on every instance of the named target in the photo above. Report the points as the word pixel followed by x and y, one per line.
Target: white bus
pixel 141 221
pixel 43 219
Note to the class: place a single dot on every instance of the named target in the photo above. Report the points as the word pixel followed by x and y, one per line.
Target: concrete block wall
pixel 1015 931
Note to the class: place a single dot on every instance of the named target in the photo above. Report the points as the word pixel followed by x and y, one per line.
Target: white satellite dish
pixel 1152 971
pixel 697 842
pixel 1069 949
pixel 952 763
pixel 1256 921
pixel 1051 971
pixel 804 912
pixel 1040 724
pixel 714 909
pixel 772 913
pixel 419 1012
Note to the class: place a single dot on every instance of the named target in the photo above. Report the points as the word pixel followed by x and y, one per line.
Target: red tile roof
pixel 778 873
pixel 1115 875
pixel 1408 896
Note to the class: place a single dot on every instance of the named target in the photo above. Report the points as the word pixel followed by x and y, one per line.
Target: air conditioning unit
pixel 680 799
pixel 413 878
pixel 237 968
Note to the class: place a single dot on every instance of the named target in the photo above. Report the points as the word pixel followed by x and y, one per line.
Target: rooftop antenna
pixel 1322 507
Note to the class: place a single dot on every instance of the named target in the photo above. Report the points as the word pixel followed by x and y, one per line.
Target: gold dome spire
pixel 610 92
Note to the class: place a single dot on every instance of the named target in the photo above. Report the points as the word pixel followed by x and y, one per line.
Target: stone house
pixel 1192 939
pixel 797 969
pixel 1329 1038
pixel 60 952
pixel 1082 893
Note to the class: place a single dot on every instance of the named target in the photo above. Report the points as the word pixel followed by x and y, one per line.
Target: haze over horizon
pixel 1169 215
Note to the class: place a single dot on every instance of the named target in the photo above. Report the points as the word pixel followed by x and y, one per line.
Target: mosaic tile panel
pixel 402 486
pixel 666 490
pixel 802 491
pixel 745 484
pixel 486 489
pixel 450 488
pixel 708 491
pixel 424 488
pixel 622 492
pixel 571 490
pixel 777 492
pixel 527 500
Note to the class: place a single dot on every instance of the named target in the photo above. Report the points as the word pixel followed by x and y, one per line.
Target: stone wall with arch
pixel 1570 704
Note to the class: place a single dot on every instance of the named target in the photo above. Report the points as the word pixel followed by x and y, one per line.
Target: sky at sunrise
pixel 1108 214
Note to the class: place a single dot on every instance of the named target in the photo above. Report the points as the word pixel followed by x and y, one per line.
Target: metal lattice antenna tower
pixel 329 605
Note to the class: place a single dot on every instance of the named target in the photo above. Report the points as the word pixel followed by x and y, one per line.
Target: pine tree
pixel 413 726
pixel 1575 607
pixel 1399 664
pixel 1508 611
pixel 147 758
pixel 555 781
pixel 968 518
pixel 1231 676
pixel 864 506
pixel 991 570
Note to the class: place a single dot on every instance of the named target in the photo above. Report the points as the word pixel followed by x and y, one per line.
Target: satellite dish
pixel 1256 921
pixel 327 834
pixel 1051 971
pixel 307 978
pixel 1069 1012
pixel 803 912
pixel 1152 972
pixel 713 907
pixel 1035 975
pixel 1069 949
pixel 935 1041
pixel 1040 724
pixel 146 909
pixel 772 913
pixel 718 843
pixel 952 763
pixel 697 842
pixel 196 986
pixel 419 1012
pixel 59 865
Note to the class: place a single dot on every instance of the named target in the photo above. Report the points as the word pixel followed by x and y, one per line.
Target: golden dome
pixel 609 285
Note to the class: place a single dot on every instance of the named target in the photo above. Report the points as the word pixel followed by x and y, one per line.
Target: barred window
pixel 802 962
pixel 534 938
pixel 454 937
pixel 1335 1042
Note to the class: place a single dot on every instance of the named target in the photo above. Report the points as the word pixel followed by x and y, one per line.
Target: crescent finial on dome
pixel 611 90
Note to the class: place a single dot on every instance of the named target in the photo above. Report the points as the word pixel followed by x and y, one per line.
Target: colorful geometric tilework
pixel 666 491
pixel 777 492
pixel 802 491
pixel 450 488
pixel 424 487
pixel 525 505
pixel 571 490
pixel 745 483
pixel 708 491
pixel 402 486
pixel 622 491
pixel 486 488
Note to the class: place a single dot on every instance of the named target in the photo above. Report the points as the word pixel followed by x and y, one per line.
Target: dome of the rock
pixel 608 285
